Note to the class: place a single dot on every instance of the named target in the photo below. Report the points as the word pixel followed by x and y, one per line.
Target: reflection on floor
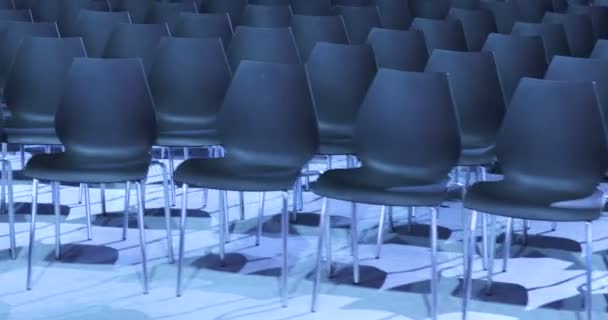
pixel 101 279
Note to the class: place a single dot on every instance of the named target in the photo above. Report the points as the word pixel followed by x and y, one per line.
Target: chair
pixel 137 9
pixel 168 12
pixel 532 10
pixel 135 41
pixel 312 7
pixel 95 28
pixel 234 8
pixel 578 29
pixel 394 14
pixel 24 15
pixel 204 25
pixel 188 80
pixel 553 36
pixel 398 49
pixel 266 16
pixel 359 21
pixel 546 123
pixel 438 34
pixel 516 57
pixel 7 5
pixel 476 25
pixel 69 11
pixel 100 94
pixel 275 45
pixel 353 3
pixel 269 2
pixel 600 50
pixel 308 30
pixel 465 4
pixel 599 18
pixel 405 162
pixel 267 138
pixel 505 14
pixel 430 9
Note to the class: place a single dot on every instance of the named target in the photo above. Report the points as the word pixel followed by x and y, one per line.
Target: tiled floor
pixel 101 279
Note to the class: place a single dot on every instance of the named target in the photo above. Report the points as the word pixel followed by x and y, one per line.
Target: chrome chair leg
pixel 57 208
pixel 182 235
pixel 317 275
pixel 491 254
pixel 285 235
pixel 589 269
pixel 167 211
pixel 22 155
pixel 226 213
pixel 380 235
pixel 186 153
pixel 469 265
pixel 222 225
pixel 524 238
pixel 553 225
pixel 354 233
pixel 87 205
pixel 6 166
pixel 80 192
pixel 507 244
pixel 258 235
pixel 102 191
pixel 328 247
pixel 142 233
pixel 391 219
pixel 242 204
pixel 125 220
pixel 205 198
pixel 171 172
pixel 297 188
pixel 3 185
pixel 32 233
pixel 434 274
pixel 484 240
pixel 411 212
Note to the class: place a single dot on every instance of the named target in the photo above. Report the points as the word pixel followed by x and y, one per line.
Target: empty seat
pixel 135 41
pixel 505 14
pixel 439 34
pixel 394 14
pixel 275 45
pixel 579 31
pixel 308 30
pixel 599 18
pixel 204 25
pixel 532 10
pixel 95 28
pixel 168 12
pixel 476 24
pixel 138 9
pixel 430 9
pixel 266 16
pixel 553 35
pixel 359 21
pixel 399 49
pixel 234 8
pixel 68 14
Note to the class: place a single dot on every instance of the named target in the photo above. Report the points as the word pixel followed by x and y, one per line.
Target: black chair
pixel 394 14
pixel 546 124
pixel 579 31
pixel 69 11
pixel 532 10
pixel 95 28
pixel 359 21
pixel 465 4
pixel 267 138
pixel 476 25
pixel 505 14
pixel 398 49
pixel 516 57
pixel 100 94
pixel 7 5
pixel 266 16
pixel 168 12
pixel 430 9
pixel 312 7
pixel 24 15
pixel 600 50
pixel 599 18
pixel 359 3
pixel 308 30
pixel 269 2
pixel 234 8
pixel 274 45
pixel 439 34
pixel 204 25
pixel 137 9
pixel 135 41
pixel 411 172
pixel 553 35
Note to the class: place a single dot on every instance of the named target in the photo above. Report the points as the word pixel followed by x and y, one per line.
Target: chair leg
pixel 142 233
pixel 171 171
pixel 258 235
pixel 391 219
pixel 354 233
pixel 322 226
pixel 285 235
pixel 32 233
pixel 167 212
pixel 80 192
pixel 589 265
pixel 328 247
pixel 554 226
pixel 507 244
pixel 22 155
pixel 524 238
pixel 242 205
pixel 491 254
pixel 411 212
pixel 434 274
pixel 87 205
pixel 57 208
pixel 3 184
pixel 125 220
pixel 484 240
pixel 226 213
pixel 102 191
pixel 297 188
pixel 380 235
pixel 469 264
pixel 6 166
pixel 222 225
pixel 182 235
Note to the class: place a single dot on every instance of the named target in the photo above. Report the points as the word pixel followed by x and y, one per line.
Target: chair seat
pixel 336 146
pixel 477 156
pixel 65 168
pixel 363 185
pixel 188 138
pixel 230 174
pixel 509 199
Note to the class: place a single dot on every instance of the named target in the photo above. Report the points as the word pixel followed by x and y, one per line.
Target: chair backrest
pixel 579 31
pixel 532 10
pixel 394 14
pixel 69 11
pixel 477 94
pixel 553 137
pixel 106 111
pixel 339 76
pixel 308 30
pixel 516 57
pixel 95 28
pixel 476 24
pixel 7 5
pixel 275 45
pixel 204 25
pixel 465 4
pixel 312 7
pixel 396 112
pixel 399 49
pixel 234 8
pixel 138 9
pixel 135 41
pixel 24 15
pixel 553 35
pixel 505 14
pixel 269 2
pixel 188 80
pixel 35 82
pixel 359 21
pixel 266 16
pixel 168 12
pixel 599 18
pixel 439 34
pixel 267 116
pixel 429 9
pixel 14 35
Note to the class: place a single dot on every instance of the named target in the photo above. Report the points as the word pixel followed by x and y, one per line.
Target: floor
pixel 101 279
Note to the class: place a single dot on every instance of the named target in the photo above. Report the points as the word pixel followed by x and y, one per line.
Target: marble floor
pixel 101 279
